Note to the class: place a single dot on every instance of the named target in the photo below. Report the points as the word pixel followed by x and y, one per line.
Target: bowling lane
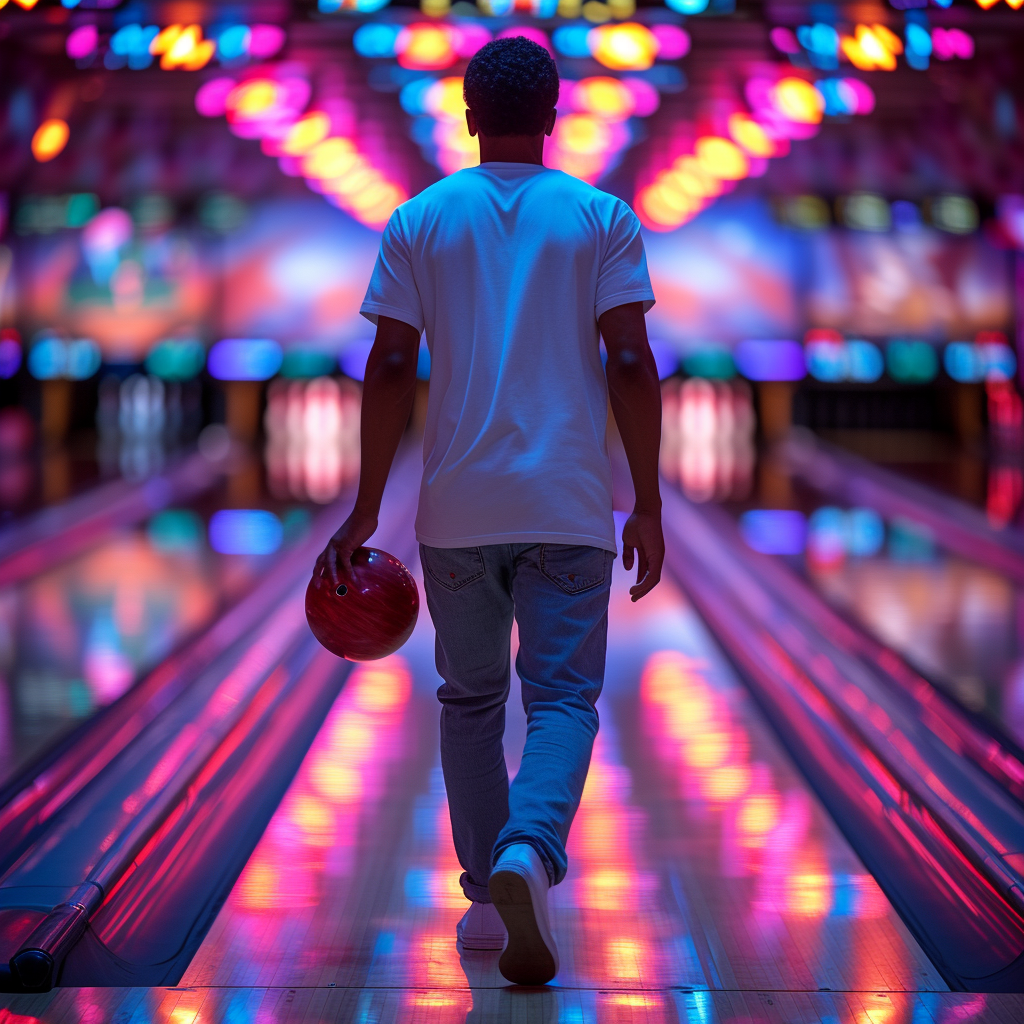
pixel 76 637
pixel 702 869
pixel 956 621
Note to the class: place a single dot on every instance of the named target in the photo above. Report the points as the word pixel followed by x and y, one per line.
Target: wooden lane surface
pixel 706 883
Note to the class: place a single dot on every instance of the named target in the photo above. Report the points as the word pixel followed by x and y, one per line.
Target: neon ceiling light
pixel 271 106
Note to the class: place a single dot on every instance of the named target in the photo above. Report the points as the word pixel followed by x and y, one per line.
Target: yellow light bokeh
pixel 444 100
pixel 746 132
pixel 758 814
pixel 49 139
pixel 330 159
pixel 707 185
pixel 253 98
pixel 604 97
pixel 165 39
pixel 798 101
pixel 583 134
pixel 871 49
pixel 307 132
pixel 721 158
pixel 425 47
pixel 625 47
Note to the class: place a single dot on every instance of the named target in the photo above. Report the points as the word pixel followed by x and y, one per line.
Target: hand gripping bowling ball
pixel 368 617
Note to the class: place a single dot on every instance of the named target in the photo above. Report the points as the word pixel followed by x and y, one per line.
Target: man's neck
pixel 512 149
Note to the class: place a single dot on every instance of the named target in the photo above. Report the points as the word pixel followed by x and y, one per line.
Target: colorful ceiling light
pixel 786 108
pixel 986 4
pixel 625 47
pixel 82 42
pixel 751 136
pixel 182 46
pixel 721 158
pixel 872 48
pixel 789 107
pixel 271 107
pixel 844 96
pixel 357 6
pixel 430 46
pixel 607 98
pixel 798 101
pixel 583 144
pixel 49 139
pixel 531 32
pixel 950 43
pixel 440 125
pixel 821 42
pixel 425 47
pixel 304 134
pixel 130 45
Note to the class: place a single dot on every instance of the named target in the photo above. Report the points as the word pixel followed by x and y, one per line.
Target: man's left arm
pixel 389 387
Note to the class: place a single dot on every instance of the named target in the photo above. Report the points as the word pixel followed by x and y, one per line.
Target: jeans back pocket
pixel 452 568
pixel 574 568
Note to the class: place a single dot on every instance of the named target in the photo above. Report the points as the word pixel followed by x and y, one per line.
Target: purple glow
pixel 82 42
pixel 468 38
pixel 645 96
pixel 864 93
pixel 353 360
pixel 770 360
pixel 266 40
pixel 783 40
pixel 211 99
pixel 245 531
pixel 673 41
pixel 535 35
pixel 774 531
pixel 10 358
pixel 244 359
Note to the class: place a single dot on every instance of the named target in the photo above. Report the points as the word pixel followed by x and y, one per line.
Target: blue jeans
pixel 558 595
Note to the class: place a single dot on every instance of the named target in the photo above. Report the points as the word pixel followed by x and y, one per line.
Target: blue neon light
pixel 10 358
pixel 770 360
pixel 245 531
pixel 353 360
pixel 774 531
pixel 244 359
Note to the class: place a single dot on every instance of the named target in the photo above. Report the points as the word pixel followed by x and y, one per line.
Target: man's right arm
pixel 635 395
pixel 388 390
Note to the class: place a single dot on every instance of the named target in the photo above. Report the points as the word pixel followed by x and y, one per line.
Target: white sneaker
pixel 519 888
pixel 481 928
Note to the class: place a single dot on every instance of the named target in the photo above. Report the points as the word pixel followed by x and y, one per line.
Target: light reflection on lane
pixel 698 861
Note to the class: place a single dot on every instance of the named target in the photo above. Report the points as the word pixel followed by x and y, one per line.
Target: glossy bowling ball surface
pixel 368 617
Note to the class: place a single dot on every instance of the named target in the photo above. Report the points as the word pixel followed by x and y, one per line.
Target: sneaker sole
pixel 492 944
pixel 527 959
pixel 493 947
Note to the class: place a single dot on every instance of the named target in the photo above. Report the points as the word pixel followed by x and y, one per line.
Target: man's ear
pixel 471 122
pixel 550 126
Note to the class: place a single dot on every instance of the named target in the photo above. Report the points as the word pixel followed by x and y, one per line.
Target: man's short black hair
pixel 511 85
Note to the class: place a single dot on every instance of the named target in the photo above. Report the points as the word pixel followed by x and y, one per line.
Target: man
pixel 512 269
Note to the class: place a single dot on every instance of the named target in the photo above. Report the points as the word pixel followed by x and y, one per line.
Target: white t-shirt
pixel 507 267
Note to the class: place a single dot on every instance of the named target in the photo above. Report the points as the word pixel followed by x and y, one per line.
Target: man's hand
pixel 642 534
pixel 353 533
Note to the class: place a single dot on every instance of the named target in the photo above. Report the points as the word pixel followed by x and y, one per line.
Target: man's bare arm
pixel 635 395
pixel 389 387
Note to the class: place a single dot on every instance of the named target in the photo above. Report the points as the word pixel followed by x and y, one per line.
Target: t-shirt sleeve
pixel 392 290
pixel 623 275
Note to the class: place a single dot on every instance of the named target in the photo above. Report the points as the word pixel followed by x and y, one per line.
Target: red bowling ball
pixel 368 617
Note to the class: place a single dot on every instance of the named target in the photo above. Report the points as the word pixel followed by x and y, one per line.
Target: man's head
pixel 511 87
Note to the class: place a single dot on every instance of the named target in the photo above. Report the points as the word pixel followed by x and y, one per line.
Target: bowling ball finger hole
pixel 342 590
